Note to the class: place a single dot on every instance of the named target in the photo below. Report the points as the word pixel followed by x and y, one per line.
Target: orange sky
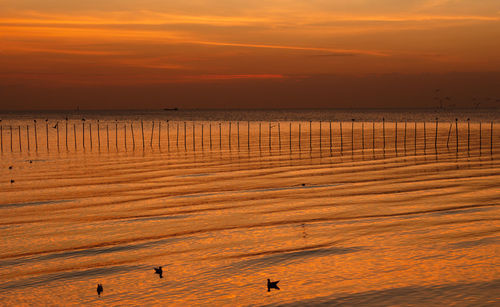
pixel 57 54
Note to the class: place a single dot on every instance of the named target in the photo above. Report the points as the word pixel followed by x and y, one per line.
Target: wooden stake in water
pixel 168 135
pixel 363 135
pixel 405 137
pixel 66 135
pixel 480 137
pixel 83 134
pixel 229 137
pixel 269 137
pixel 202 136
pixel 248 135
pixel 299 137
pixel 90 128
pixel 185 145
pixel 159 134
pixel 330 136
pixel 124 136
pixel 456 131
pixel 142 131
pixel 260 135
pixel 415 136
pixel 352 134
pixel 46 133
pixel 194 143
pixel 279 136
pixel 310 135
pixel 320 136
pixel 238 133
pixel 116 136
pixel 425 139
pixel 152 133
pixel 28 136
pixel 373 136
pixel 290 140
pixel 491 138
pixel 210 134
pixel 57 127
pixel 107 135
pixel 396 137
pixel 468 134
pixel 436 135
pixel 74 134
pixel 99 135
pixel 1 137
pixel 220 136
pixel 133 137
pixel 19 137
pixel 383 130
pixel 341 137
pixel 36 137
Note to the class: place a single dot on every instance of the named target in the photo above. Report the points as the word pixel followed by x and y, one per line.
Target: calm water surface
pixel 415 224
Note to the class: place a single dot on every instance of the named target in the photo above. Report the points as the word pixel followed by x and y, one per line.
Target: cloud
pixel 26 49
pixel 301 48
pixel 234 77
pixel 334 55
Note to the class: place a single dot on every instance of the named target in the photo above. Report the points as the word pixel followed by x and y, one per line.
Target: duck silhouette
pixel 99 289
pixel 159 271
pixel 272 285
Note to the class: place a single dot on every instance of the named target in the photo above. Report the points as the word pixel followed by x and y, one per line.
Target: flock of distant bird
pixel 159 271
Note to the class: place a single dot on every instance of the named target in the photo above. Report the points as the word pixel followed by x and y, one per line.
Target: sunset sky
pixel 131 54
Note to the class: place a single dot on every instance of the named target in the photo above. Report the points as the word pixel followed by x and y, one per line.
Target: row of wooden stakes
pixel 212 144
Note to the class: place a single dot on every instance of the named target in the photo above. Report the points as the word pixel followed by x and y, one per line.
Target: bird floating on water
pixel 272 285
pixel 99 289
pixel 159 271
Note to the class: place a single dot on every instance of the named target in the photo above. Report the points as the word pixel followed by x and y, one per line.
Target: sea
pixel 342 207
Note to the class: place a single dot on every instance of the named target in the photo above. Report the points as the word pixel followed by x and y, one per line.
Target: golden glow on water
pixel 364 226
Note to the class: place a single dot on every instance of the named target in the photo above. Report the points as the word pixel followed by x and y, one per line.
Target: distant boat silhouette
pixel 99 289
pixel 159 271
pixel 171 109
pixel 272 285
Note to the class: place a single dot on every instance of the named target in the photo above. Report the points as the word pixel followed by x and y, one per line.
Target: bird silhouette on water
pixel 99 289
pixel 272 285
pixel 159 271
